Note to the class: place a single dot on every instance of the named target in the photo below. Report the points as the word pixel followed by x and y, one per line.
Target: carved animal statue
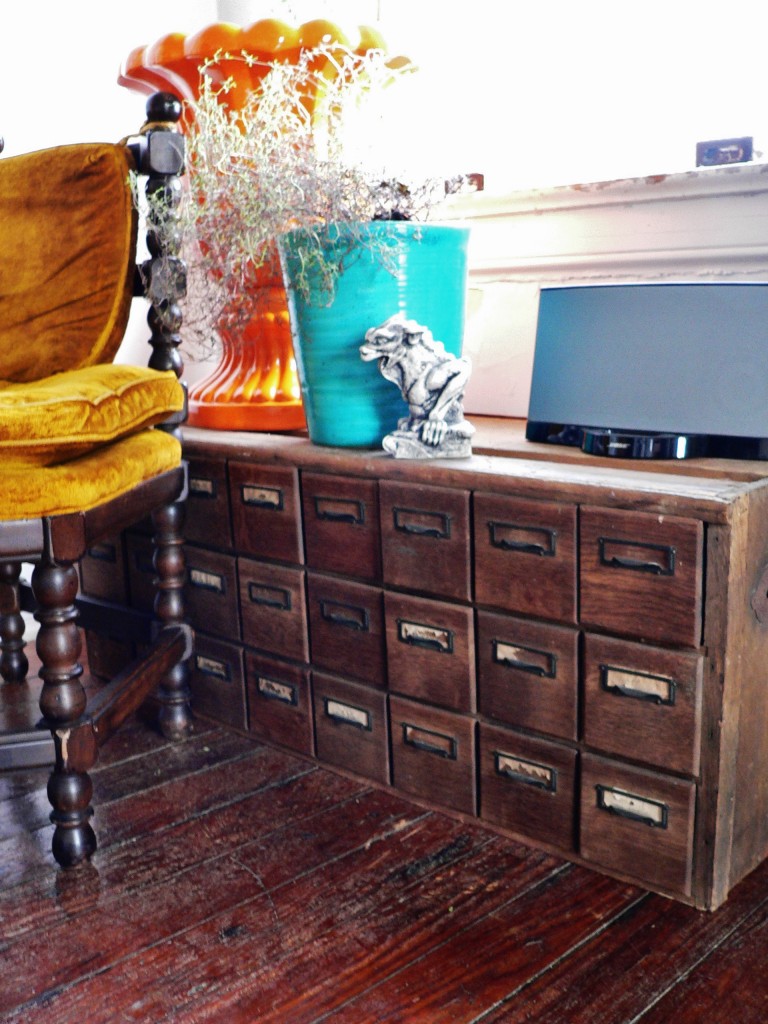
pixel 432 382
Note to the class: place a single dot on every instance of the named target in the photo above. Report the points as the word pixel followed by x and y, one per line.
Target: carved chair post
pixel 63 702
pixel 13 661
pixel 173 693
pixel 162 278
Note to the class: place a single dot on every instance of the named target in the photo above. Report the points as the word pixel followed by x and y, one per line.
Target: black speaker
pixel 653 370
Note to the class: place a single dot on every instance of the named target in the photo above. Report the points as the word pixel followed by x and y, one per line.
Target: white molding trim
pixel 733 180
pixel 702 224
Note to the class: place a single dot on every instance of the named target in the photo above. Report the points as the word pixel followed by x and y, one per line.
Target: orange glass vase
pixel 255 385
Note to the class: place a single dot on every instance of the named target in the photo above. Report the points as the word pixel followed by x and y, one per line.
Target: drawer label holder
pixel 346 615
pixel 530 773
pixel 103 552
pixel 419 635
pixel 271 689
pixel 430 742
pixel 622 682
pixel 525 659
pixel 270 597
pixel 637 556
pixel 635 808
pixel 202 487
pixel 213 667
pixel 420 523
pixel 270 498
pixel 347 714
pixel 340 510
pixel 525 540
pixel 207 580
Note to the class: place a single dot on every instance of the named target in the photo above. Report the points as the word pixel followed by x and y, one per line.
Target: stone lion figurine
pixel 432 382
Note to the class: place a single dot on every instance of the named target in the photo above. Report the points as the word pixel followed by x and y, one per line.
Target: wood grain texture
pixel 239 883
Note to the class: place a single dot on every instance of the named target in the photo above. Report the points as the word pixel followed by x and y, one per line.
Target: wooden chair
pixel 88 447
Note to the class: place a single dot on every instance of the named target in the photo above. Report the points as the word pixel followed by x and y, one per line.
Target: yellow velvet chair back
pixel 67 236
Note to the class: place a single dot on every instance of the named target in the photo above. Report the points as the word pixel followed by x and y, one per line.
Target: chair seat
pixel 56 418
pixel 81 484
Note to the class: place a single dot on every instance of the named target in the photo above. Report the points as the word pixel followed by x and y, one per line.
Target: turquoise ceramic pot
pixel 418 270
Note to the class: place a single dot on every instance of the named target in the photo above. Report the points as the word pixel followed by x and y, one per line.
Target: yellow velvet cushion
pixel 55 419
pixel 67 247
pixel 82 484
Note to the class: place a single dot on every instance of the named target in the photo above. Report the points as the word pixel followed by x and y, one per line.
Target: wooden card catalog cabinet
pixel 572 649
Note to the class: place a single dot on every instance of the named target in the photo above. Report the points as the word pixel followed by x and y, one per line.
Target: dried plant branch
pixel 289 158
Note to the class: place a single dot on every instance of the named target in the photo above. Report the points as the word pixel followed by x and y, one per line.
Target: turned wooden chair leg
pixel 173 693
pixel 13 661
pixel 62 702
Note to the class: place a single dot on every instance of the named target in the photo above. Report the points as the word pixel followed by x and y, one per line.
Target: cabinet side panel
pixel 748 650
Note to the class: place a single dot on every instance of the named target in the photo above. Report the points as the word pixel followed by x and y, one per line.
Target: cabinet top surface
pixel 504 461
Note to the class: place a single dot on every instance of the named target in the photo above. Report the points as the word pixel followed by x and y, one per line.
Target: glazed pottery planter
pixel 418 270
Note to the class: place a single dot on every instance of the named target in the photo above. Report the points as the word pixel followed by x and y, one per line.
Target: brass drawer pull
pixel 638 685
pixel 525 659
pixel 207 581
pixel 418 635
pixel 270 597
pixel 417 522
pixel 347 714
pixel 271 689
pixel 635 808
pixel 525 540
pixel 340 510
pixel 346 615
pixel 530 773
pixel 430 742
pixel 624 557
pixel 270 498
pixel 213 667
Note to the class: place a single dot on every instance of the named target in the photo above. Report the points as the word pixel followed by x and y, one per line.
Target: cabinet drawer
pixel 425 538
pixel 207 519
pixel 103 571
pixel 279 702
pixel 273 608
pixel 266 511
pixel 637 823
pixel 433 754
pixel 528 673
pixel 528 786
pixel 431 651
pixel 641 574
pixel 643 702
pixel 211 592
pixel 140 570
pixel 351 726
pixel 525 556
pixel 217 681
pixel 341 525
pixel 346 628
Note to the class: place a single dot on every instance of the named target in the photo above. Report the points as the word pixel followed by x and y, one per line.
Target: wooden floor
pixel 237 883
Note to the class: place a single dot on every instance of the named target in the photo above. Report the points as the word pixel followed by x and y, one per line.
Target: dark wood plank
pixel 624 969
pixel 467 973
pixel 209 825
pixel 730 984
pixel 241 883
pixel 359 915
pixel 228 929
